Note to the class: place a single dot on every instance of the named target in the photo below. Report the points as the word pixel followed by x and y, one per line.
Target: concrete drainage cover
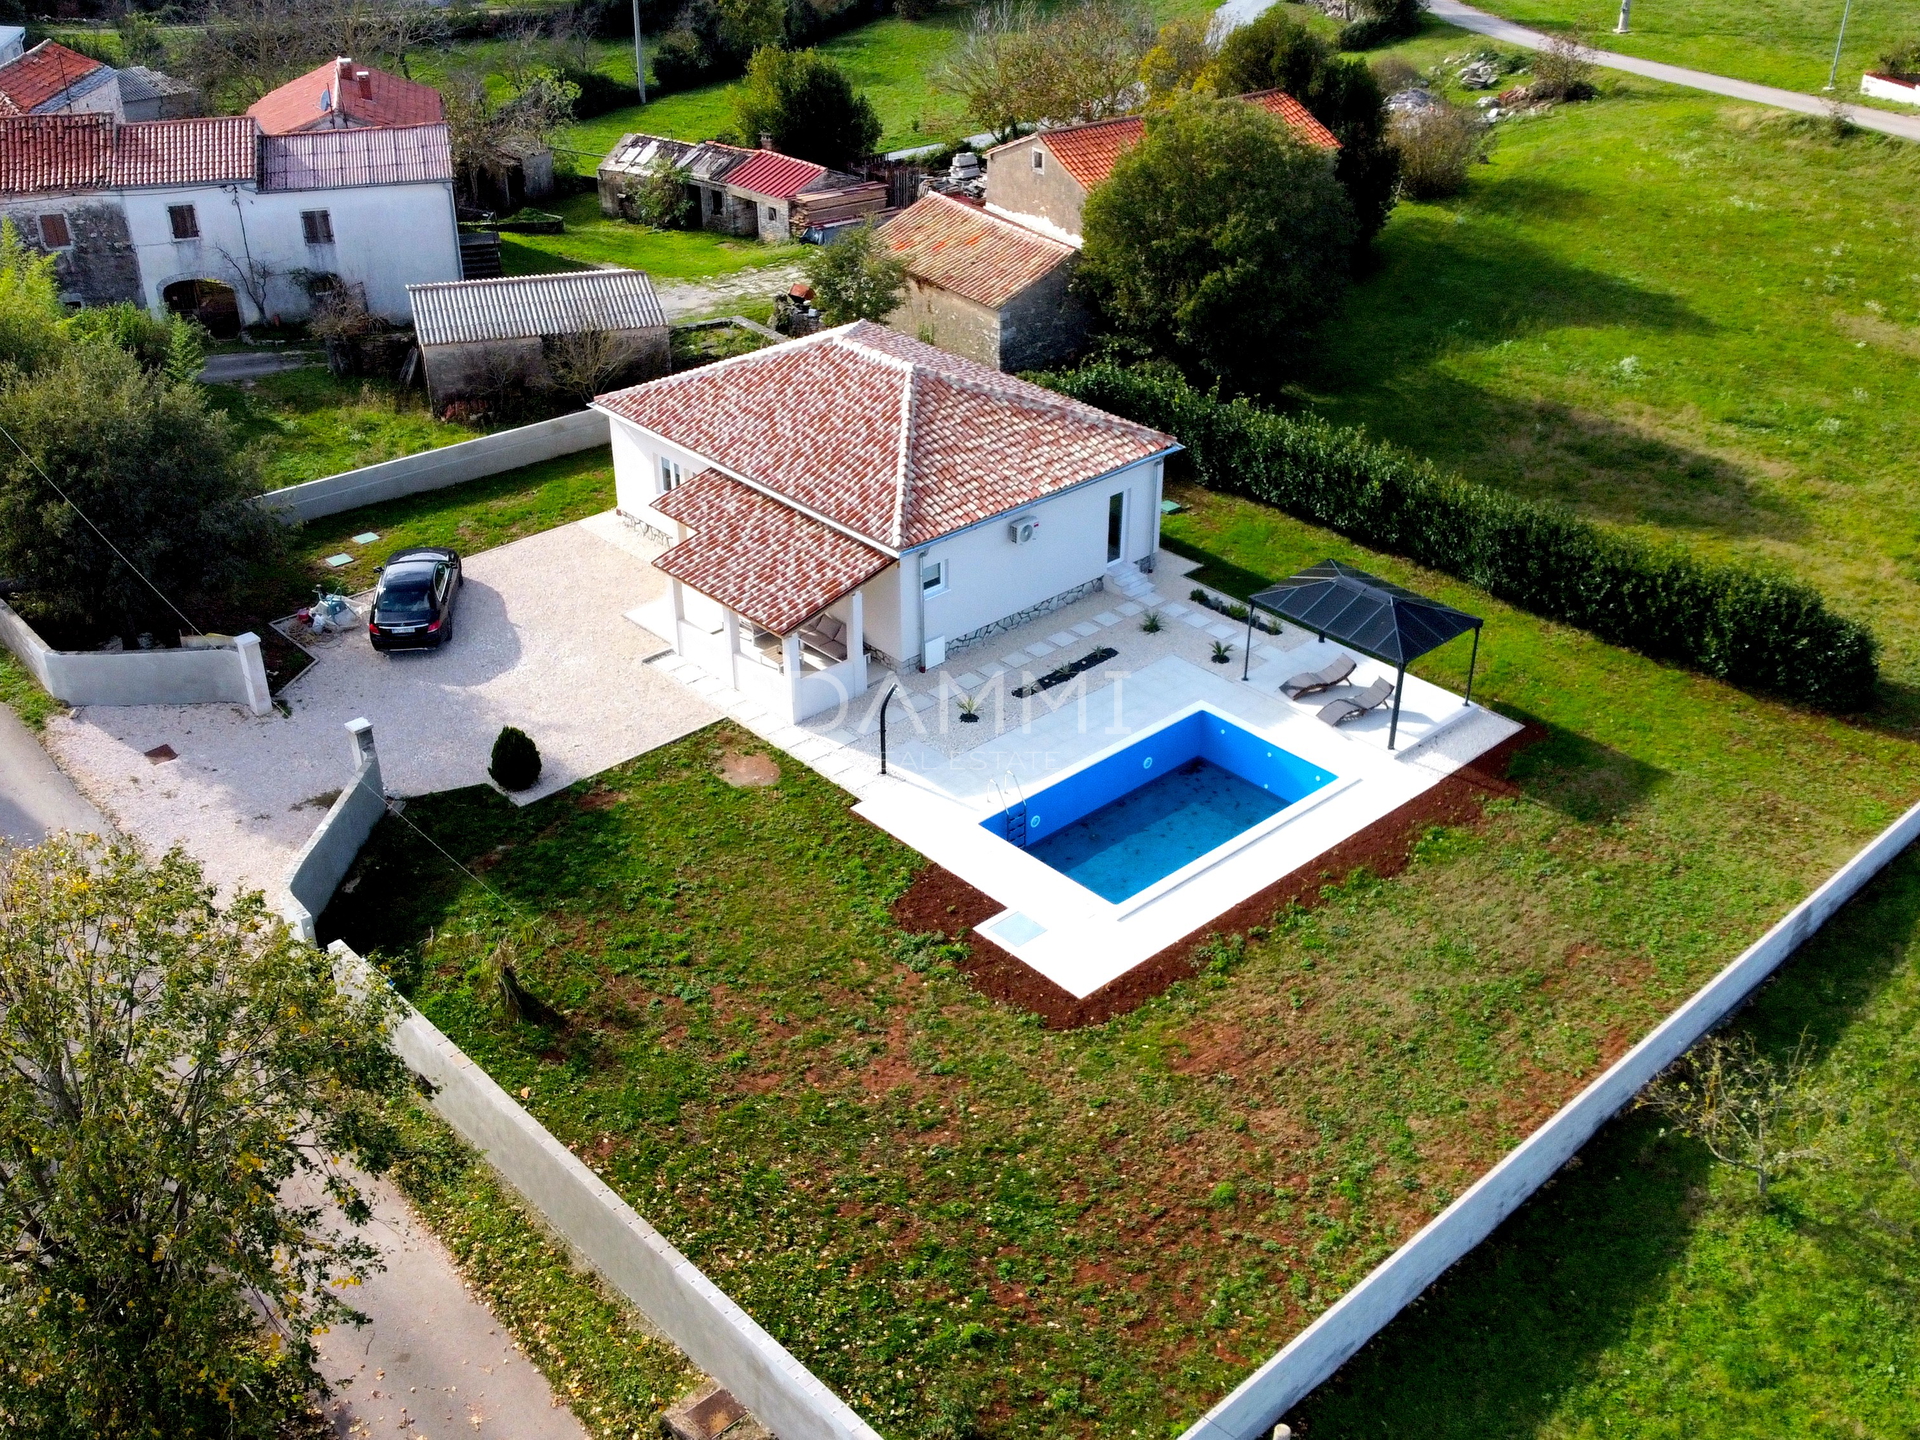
pixel 708 1413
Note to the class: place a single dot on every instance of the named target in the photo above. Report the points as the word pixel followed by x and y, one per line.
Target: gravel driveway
pixel 540 641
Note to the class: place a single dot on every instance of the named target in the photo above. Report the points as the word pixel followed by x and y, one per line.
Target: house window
pixel 54 233
pixel 772 214
pixel 1039 158
pixel 933 577
pixel 186 224
pixel 719 201
pixel 669 474
pixel 318 226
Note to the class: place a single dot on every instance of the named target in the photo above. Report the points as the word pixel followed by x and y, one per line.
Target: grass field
pixel 960 1219
pixel 22 694
pixel 1788 43
pixel 1679 315
pixel 308 424
pixel 592 239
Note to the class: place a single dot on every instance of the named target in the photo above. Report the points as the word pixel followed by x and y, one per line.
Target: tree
pixel 854 278
pixel 1436 145
pixel 806 105
pixel 485 129
pixel 147 461
pixel 244 48
pixel 1748 1109
pixel 32 329
pixel 1081 62
pixel 658 196
pixel 1179 57
pixel 1276 52
pixel 1218 240
pixel 167 1065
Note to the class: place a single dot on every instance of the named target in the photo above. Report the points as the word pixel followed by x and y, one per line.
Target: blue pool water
pixel 1158 804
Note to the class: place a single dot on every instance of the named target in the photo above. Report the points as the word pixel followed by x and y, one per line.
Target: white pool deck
pixel 946 776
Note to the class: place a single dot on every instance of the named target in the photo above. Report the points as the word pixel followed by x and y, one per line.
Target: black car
pixel 413 604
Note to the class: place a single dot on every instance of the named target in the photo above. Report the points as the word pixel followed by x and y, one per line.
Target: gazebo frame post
pixel 1399 684
pixel 1246 656
pixel 1471 662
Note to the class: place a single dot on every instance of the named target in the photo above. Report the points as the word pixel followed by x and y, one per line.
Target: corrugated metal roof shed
pixel 519 307
pixel 332 159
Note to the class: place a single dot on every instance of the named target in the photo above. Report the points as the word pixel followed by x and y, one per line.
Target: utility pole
pixel 640 55
pixel 1626 8
pixel 1834 73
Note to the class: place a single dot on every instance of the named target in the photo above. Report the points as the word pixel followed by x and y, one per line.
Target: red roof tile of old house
pixel 40 75
pixel 886 439
pixel 1089 151
pixel 341 94
pixel 767 172
pixel 42 154
pixel 759 557
pixel 962 248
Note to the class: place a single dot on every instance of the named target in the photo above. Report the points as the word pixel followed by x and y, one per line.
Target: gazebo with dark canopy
pixel 1365 613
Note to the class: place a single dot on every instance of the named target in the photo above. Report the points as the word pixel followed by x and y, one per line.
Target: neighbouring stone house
pixel 984 286
pixel 480 336
pixel 1042 180
pixel 149 95
pixel 50 79
pixel 212 218
pixel 858 494
pixel 757 193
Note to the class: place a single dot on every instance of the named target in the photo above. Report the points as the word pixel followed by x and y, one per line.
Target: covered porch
pixel 766 598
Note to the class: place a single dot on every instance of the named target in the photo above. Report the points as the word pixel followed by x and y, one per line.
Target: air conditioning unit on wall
pixel 1020 529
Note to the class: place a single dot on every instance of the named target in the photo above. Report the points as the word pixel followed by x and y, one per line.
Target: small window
pixel 772 214
pixel 54 233
pixel 669 474
pixel 186 224
pixel 933 577
pixel 719 201
pixel 318 225
pixel 1039 158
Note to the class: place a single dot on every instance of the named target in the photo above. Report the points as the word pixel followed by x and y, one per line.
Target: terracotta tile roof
pixel 960 247
pixel 886 438
pixel 329 159
pixel 44 73
pixel 767 172
pixel 341 92
pixel 1089 151
pixel 206 151
pixel 758 557
pixel 40 153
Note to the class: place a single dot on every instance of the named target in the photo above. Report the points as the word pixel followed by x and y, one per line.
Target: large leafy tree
pixel 1219 239
pixel 1277 52
pixel 167 1066
pixel 1019 64
pixel 855 278
pixel 806 105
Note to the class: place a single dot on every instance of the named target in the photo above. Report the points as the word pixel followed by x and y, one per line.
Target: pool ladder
pixel 1014 816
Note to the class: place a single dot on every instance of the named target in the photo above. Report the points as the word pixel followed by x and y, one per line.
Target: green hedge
pixel 1733 622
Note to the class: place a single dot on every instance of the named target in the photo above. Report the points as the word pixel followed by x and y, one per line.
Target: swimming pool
pixel 1159 805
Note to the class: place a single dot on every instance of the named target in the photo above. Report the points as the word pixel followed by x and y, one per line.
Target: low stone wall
pixel 693 1312
pixel 437 469
pixel 232 672
pixel 330 851
pixel 1264 1396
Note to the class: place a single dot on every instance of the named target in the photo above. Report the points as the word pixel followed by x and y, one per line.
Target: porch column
pixel 790 662
pixel 679 602
pixel 913 637
pixel 730 626
pixel 857 646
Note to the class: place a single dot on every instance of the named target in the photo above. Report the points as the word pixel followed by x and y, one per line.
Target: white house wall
pixel 385 238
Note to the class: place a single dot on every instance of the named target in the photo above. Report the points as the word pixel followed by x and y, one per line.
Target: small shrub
pixel 1563 70
pixel 1436 146
pixel 1903 59
pixel 1150 622
pixel 516 759
pixel 1380 22
pixel 1394 74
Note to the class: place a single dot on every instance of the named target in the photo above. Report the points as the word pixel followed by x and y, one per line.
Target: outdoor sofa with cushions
pixel 825 635
pixel 1310 681
pixel 1338 712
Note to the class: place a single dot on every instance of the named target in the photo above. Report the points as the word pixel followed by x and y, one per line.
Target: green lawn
pixel 22 694
pixel 959 1219
pixel 1680 315
pixel 1788 43
pixel 309 425
pixel 592 239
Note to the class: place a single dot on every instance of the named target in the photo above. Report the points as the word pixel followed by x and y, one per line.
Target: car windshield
pixel 405 596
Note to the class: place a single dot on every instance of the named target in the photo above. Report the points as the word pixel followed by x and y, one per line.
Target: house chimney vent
pixel 766 141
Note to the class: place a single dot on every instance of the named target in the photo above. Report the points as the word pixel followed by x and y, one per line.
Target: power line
pixel 98 531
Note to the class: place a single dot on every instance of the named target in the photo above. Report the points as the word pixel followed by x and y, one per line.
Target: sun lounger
pixel 1310 681
pixel 1338 712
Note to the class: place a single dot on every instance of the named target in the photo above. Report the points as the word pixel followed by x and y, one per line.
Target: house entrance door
pixel 1116 524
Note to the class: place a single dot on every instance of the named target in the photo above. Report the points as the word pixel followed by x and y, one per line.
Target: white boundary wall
pixel 716 1334
pixel 1264 1396
pixel 437 469
pixel 233 672
pixel 330 851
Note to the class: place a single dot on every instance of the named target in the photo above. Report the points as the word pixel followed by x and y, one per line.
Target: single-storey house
pixel 984 286
pixel 212 218
pixel 343 95
pixel 1884 86
pixel 50 79
pixel 149 95
pixel 596 327
pixel 1042 180
pixel 757 193
pixel 858 494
